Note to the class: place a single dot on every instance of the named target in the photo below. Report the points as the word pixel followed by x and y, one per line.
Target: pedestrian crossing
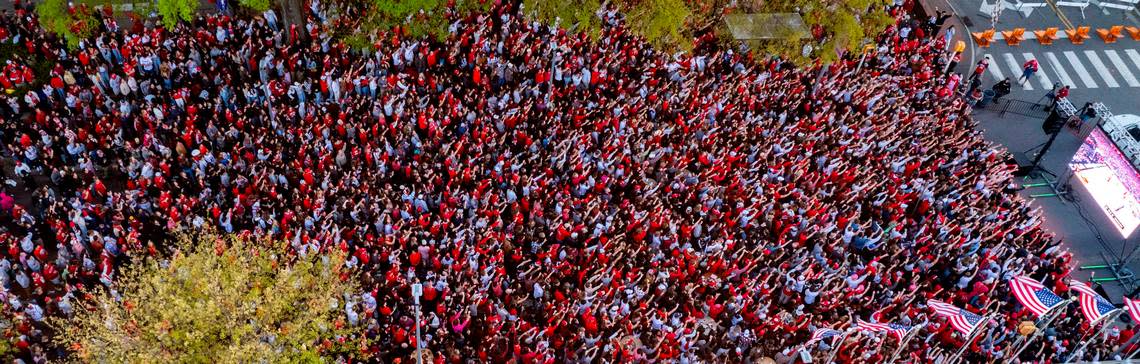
pixel 1081 71
pixel 1059 70
pixel 1101 69
pixel 1041 77
pixel 1120 66
pixel 1107 68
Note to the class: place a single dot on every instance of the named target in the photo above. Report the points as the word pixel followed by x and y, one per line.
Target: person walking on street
pixel 1027 70
pixel 982 65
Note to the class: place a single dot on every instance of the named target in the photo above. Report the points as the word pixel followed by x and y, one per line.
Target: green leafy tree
pixel 833 26
pixel 661 22
pixel 75 21
pixel 72 23
pixel 360 23
pixel 7 350
pixel 579 15
pixel 706 14
pixel 217 299
pixel 174 11
pixel 256 5
pixel 664 23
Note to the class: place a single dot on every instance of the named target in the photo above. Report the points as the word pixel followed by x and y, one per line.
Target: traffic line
pixel 1055 65
pixel 1043 79
pixel 1134 56
pixel 1101 69
pixel 1013 65
pixel 1122 68
pixel 1080 69
pixel 994 69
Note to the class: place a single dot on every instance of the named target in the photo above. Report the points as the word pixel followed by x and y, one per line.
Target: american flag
pixel 894 329
pixel 962 320
pixel 821 334
pixel 1033 295
pixel 1093 306
pixel 1133 307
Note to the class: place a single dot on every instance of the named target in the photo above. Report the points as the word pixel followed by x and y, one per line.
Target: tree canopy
pixel 218 299
pixel 362 21
pixel 834 25
pixel 672 24
pixel 576 14
pixel 174 11
pixel 73 23
pixel 664 23
pixel 256 5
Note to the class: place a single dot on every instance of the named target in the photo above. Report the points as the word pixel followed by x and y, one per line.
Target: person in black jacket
pixel 1001 89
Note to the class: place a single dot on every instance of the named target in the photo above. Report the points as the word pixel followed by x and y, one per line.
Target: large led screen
pixel 1110 179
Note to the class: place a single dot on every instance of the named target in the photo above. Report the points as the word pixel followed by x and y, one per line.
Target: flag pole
pixel 970 338
pixel 902 342
pixel 1134 352
pixel 1123 348
pixel 983 323
pixel 1133 355
pixel 989 336
pixel 1022 339
pixel 1016 342
pixel 835 347
pixel 835 350
pixel 1107 320
pixel 1048 319
pixel 1132 340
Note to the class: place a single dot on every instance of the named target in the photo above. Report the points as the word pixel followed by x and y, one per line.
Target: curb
pixel 961 30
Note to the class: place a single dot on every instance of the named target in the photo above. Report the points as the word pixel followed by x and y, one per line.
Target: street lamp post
pixel 417 291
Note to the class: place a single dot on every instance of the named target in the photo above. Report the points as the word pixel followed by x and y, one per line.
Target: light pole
pixel 417 291
pixel 866 48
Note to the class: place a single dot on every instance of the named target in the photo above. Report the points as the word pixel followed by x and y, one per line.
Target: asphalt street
pixel 1108 73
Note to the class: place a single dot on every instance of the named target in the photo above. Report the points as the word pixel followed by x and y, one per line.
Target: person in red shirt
pixel 1028 70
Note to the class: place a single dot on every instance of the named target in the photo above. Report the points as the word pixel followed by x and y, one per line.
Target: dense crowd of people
pixel 561 199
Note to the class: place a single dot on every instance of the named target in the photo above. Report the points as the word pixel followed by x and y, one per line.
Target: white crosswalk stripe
pixel 1082 73
pixel 1101 69
pixel 1041 77
pixel 995 69
pixel 1059 70
pixel 1013 65
pixel 1122 68
pixel 1134 56
pixel 1077 69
